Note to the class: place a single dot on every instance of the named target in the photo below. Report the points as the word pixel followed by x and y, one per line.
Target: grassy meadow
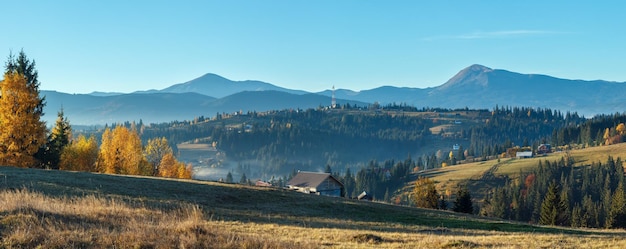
pixel 481 176
pixel 57 209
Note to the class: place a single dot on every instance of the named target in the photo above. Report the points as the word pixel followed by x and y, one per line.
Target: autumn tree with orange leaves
pixel 80 155
pixel 171 168
pixel 121 153
pixel 22 133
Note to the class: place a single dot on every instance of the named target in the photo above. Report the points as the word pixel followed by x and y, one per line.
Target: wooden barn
pixel 316 183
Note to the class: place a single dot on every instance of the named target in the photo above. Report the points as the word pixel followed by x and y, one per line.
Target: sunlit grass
pixel 54 209
pixel 471 174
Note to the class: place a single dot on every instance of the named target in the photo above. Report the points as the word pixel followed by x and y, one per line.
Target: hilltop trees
pixel 22 132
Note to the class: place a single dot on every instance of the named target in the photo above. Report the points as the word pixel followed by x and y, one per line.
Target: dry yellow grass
pixel 450 176
pixel 32 220
pixel 54 209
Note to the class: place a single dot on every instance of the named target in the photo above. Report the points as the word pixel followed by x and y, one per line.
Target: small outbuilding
pixel 364 197
pixel 316 183
pixel 524 154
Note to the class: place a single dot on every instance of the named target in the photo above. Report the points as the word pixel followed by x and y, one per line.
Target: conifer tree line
pixel 26 142
pixel 557 193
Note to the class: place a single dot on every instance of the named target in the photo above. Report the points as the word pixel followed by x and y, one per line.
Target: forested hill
pixel 278 142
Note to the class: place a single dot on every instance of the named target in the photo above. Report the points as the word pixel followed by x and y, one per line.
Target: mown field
pixel 56 209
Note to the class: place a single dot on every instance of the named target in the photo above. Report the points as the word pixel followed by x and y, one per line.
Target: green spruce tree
pixel 553 208
pixel 463 202
pixel 229 178
pixel 60 136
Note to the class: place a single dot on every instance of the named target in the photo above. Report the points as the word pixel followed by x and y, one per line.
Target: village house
pixel 316 183
pixel 544 149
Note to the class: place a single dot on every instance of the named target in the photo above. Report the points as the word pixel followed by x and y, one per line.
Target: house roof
pixel 524 153
pixel 310 179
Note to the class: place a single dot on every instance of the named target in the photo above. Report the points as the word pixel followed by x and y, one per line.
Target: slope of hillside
pixel 475 173
pixel 249 215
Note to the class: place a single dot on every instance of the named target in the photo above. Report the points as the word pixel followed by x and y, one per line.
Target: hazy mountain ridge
pixel 476 86
pixel 217 86
pixel 86 109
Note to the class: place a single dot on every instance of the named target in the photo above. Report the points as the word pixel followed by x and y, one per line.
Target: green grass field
pixel 473 174
pixel 53 209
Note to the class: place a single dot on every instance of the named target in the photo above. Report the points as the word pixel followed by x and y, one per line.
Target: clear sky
pixel 123 46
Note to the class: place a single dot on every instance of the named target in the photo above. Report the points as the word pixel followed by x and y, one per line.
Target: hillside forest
pixel 376 149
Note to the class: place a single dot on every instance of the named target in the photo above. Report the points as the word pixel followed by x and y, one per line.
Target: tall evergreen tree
pixel 26 67
pixel 617 211
pixel 59 138
pixel 549 206
pixel 243 179
pixel 229 177
pixel 554 211
pixel 22 132
pixel 463 202
pixel 328 169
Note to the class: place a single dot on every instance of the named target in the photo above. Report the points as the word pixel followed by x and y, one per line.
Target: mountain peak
pixel 476 68
pixel 475 74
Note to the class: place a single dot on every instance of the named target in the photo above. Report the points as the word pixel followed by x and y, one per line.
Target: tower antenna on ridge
pixel 333 102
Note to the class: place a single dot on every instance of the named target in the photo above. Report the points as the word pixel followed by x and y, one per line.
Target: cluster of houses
pixel 541 150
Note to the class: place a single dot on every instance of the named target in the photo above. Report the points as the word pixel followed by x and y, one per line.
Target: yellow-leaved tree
pixel 22 133
pixel 170 167
pixel 80 155
pixel 121 153
pixel 154 151
pixel 425 194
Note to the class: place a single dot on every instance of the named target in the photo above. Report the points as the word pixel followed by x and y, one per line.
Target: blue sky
pixel 124 46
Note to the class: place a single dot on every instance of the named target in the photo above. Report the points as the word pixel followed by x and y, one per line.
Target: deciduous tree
pixel 121 153
pixel 22 132
pixel 155 150
pixel 80 155
pixel 424 193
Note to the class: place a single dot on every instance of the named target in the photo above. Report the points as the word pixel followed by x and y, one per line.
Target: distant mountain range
pixel 476 86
